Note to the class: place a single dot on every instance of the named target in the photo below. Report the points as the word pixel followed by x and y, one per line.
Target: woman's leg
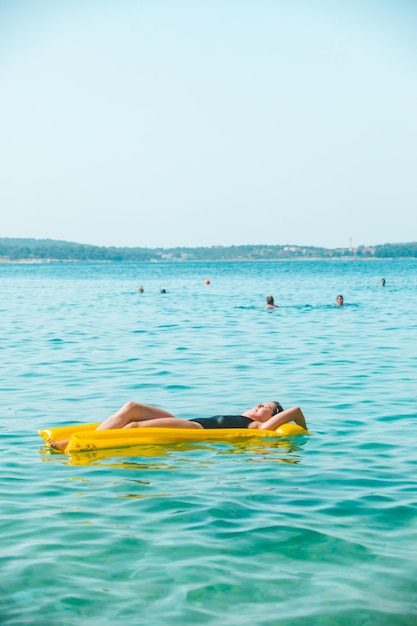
pixel 133 412
pixel 164 422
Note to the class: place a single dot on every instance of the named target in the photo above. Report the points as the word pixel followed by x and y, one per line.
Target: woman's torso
pixel 224 421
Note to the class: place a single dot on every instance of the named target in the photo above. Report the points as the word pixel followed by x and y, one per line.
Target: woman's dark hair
pixel 278 408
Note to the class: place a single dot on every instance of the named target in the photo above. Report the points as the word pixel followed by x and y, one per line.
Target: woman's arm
pixel 294 414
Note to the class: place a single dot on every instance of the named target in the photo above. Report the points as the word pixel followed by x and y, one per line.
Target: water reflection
pixel 284 450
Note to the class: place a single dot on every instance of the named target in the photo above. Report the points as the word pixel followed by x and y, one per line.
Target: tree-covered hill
pixel 15 250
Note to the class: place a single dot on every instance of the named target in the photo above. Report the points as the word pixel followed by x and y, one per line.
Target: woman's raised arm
pixel 294 414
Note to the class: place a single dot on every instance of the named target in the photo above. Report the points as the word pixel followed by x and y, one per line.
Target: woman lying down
pixel 266 416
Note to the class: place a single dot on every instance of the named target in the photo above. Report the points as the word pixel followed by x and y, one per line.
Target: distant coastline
pixel 49 251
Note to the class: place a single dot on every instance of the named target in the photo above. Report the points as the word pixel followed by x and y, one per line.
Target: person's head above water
pixel 339 300
pixel 270 304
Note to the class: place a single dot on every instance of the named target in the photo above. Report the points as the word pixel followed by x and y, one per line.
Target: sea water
pixel 310 530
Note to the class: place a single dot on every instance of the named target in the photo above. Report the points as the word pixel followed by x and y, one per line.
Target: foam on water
pixel 310 531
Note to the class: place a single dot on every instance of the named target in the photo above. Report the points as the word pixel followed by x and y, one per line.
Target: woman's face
pixel 262 412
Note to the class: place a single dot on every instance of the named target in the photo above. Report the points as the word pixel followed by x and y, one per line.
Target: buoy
pixel 207 281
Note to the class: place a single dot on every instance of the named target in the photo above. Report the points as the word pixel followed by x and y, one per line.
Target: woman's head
pixel 278 408
pixel 262 412
pixel 269 300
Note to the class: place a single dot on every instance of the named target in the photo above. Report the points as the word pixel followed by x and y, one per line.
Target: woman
pixel 267 416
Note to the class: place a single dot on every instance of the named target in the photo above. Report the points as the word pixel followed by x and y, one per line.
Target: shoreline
pixel 171 261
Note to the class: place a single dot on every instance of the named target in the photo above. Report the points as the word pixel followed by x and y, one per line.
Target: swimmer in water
pixel 266 416
pixel 270 304
pixel 339 300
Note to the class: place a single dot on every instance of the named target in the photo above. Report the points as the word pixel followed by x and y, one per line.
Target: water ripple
pixel 307 531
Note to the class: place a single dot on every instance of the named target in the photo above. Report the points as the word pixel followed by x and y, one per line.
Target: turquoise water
pixel 317 530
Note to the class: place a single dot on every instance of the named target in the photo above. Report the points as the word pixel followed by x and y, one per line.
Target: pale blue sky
pixel 217 122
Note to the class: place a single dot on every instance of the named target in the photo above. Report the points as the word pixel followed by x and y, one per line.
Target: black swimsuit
pixel 224 421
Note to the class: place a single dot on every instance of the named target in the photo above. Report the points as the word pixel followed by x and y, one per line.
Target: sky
pixel 158 123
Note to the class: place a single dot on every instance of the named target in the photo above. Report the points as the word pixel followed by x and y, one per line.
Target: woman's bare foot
pixel 57 445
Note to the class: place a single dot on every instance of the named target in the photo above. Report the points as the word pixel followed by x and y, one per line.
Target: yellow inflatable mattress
pixel 86 437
